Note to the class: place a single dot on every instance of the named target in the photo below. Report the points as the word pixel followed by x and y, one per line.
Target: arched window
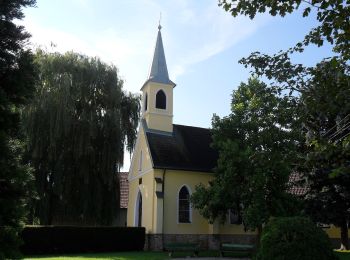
pixel 146 101
pixel 184 206
pixel 161 100
pixel 138 210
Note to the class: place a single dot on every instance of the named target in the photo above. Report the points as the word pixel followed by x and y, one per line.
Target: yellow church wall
pixel 137 170
pixel 160 119
pixel 334 232
pixel 133 189
pixel 174 180
pixel 229 229
pixel 142 171
pixel 147 191
pixel 158 204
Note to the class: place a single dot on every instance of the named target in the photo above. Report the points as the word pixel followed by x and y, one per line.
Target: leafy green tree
pixel 78 125
pixel 323 91
pixel 256 144
pixel 333 17
pixel 17 77
pixel 327 166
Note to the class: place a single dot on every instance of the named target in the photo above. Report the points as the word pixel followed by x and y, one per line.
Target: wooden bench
pixel 229 247
pixel 182 247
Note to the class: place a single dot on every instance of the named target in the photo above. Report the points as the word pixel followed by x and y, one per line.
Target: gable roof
pixel 189 148
pixel 186 148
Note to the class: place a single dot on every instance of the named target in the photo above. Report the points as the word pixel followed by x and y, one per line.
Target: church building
pixel 169 160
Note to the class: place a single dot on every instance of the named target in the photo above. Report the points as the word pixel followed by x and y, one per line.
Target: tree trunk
pixel 344 238
pixel 259 236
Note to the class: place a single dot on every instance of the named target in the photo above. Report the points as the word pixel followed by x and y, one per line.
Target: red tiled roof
pixel 124 189
pixel 295 187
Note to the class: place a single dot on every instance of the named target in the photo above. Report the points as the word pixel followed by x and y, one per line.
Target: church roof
pixel 159 70
pixel 186 148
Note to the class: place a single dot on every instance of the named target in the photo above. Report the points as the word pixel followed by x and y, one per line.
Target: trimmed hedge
pixel 76 239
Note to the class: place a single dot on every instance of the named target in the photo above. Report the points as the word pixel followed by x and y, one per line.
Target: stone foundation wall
pixel 155 242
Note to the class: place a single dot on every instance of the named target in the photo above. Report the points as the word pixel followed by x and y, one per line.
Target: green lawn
pixel 143 256
pixel 106 256
pixel 126 256
pixel 343 255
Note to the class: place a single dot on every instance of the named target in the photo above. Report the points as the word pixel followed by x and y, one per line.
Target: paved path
pixel 212 258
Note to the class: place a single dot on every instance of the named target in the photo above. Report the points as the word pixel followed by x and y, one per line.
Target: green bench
pixel 182 247
pixel 229 247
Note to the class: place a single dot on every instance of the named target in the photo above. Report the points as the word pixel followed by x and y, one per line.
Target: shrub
pixel 9 243
pixel 74 239
pixel 294 238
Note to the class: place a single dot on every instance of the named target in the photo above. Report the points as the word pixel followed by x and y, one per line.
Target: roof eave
pixel 171 83
pixel 183 169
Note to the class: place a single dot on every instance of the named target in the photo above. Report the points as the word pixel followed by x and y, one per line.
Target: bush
pixel 9 243
pixel 74 239
pixel 293 238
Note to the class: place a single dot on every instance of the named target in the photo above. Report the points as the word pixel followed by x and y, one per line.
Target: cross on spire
pixel 160 19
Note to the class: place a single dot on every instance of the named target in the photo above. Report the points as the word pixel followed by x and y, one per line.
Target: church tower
pixel 157 92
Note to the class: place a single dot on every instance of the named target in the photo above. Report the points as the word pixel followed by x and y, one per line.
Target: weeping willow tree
pixel 77 127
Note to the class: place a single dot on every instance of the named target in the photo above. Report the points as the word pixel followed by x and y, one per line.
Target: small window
pixel 184 206
pixel 161 100
pixel 146 101
pixel 234 217
pixel 140 161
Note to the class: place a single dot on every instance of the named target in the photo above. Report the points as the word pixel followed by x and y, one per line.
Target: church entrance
pixel 138 211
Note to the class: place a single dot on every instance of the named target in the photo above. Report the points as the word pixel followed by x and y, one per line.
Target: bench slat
pixel 182 247
pixel 236 247
pixel 228 247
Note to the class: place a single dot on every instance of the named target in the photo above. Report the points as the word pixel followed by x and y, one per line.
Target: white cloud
pixel 214 31
pixel 194 31
pixel 112 47
pixel 198 32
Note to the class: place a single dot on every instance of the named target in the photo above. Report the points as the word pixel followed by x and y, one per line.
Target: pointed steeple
pixel 157 92
pixel 159 70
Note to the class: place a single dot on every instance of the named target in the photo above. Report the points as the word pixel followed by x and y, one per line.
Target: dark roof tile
pixel 187 148
pixel 124 189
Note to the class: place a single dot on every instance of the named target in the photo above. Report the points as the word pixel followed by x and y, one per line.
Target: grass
pixel 129 256
pixel 343 255
pixel 106 256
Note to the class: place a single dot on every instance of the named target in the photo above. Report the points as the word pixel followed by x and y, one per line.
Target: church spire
pixel 159 70
pixel 157 92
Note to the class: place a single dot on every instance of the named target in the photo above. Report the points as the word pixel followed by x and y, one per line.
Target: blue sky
pixel 202 43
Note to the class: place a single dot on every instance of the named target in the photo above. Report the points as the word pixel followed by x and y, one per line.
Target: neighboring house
pixel 124 196
pixel 169 160
pixel 299 188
